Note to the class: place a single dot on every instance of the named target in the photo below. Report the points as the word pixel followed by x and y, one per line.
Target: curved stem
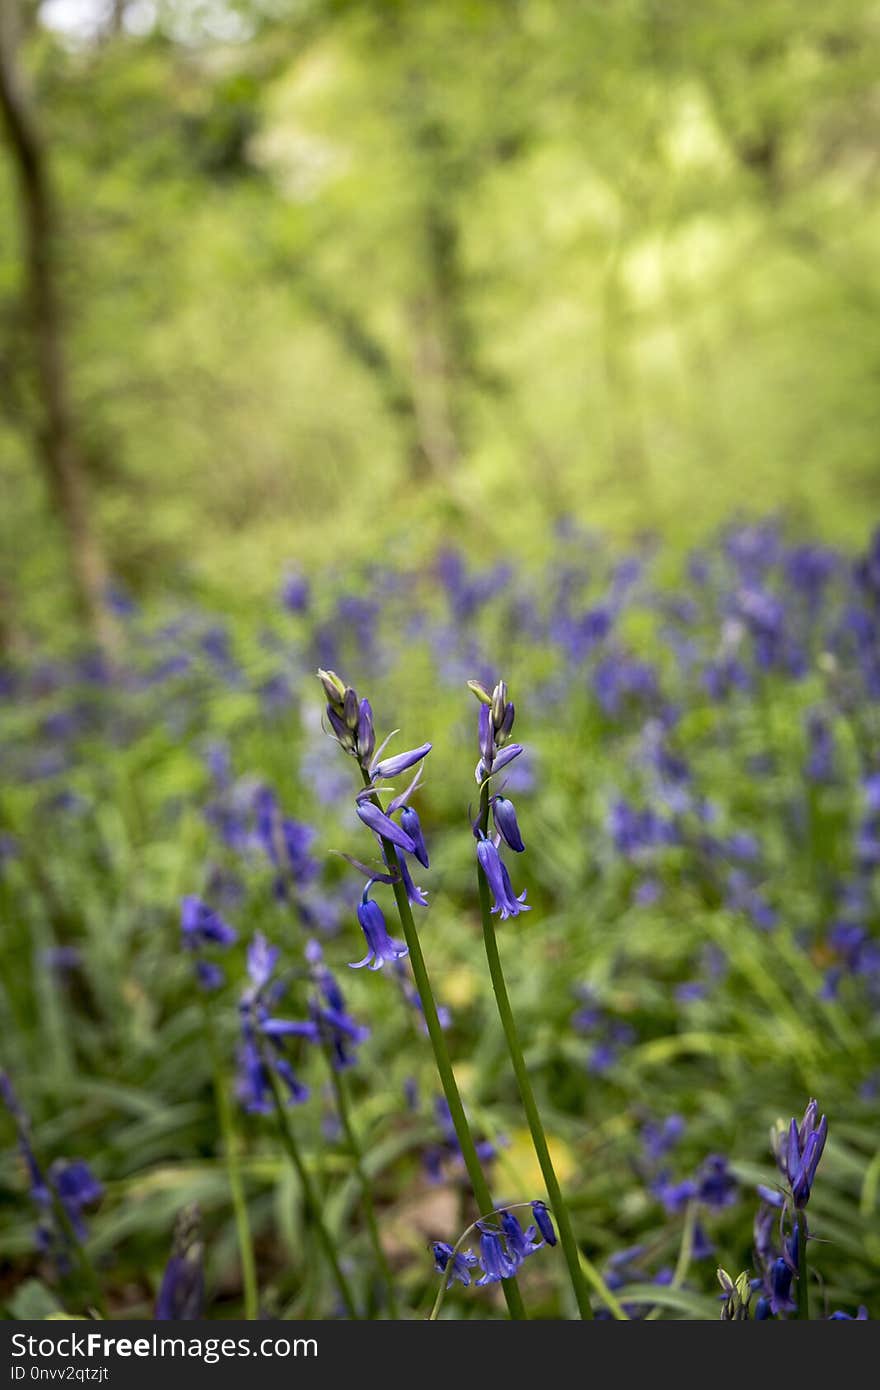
pixel 466 1143
pixel 233 1171
pixel 527 1096
pixel 341 1094
pixel 313 1206
pixel 445 1278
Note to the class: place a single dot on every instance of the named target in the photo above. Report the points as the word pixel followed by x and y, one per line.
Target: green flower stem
pixel 527 1095
pixel 310 1197
pixel 231 1155
pixel 468 1148
pixel 340 1092
pixel 803 1302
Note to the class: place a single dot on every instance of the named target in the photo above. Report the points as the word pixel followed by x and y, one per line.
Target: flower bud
pixel 350 708
pixel 334 688
pixel 482 694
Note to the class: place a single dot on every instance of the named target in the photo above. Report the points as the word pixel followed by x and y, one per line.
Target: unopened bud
pixel 482 694
pixel 334 688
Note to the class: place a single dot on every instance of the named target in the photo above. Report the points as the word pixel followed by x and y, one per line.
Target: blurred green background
pixel 334 275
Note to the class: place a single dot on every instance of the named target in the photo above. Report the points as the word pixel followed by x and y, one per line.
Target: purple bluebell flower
pixel 520 1243
pixel 544 1222
pixel 336 1027
pixel 413 892
pixel 839 1316
pixel 381 947
pixel 458 1263
pixel 675 1196
pixel 261 960
pixel 717 1186
pixel 496 1262
pixel 658 1139
pixel 388 768
pixel 507 904
pixel 295 591
pixel 701 1245
pixel 376 820
pixel 781 1276
pixel 210 975
pixel 504 816
pixel 202 926
pixel 366 734
pixel 412 827
pixel 76 1187
pixel 798 1151
pixel 297 839
pixel 264 1037
pixel 181 1294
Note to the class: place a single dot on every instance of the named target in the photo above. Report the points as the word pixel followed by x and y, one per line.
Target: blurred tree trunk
pixel 62 458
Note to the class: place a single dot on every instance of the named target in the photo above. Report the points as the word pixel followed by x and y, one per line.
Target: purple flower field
pixel 439 940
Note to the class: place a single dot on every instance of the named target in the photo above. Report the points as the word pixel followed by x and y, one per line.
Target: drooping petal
pixel 412 826
pixel 504 816
pixel 392 767
pixel 383 826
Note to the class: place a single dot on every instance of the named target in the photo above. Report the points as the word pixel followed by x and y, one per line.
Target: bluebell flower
pixel 798 1151
pixel 458 1263
pixel 297 839
pixel 202 926
pixel 261 960
pixel 295 591
pixel 76 1188
pixel 717 1186
pixel 381 947
pixel 449 1147
pixel 701 1245
pixel 411 824
pixel 781 1276
pixel 675 1196
pixel 335 1025
pixel 520 1243
pixel 496 1262
pixel 504 816
pixel 657 1140
pixel 209 975
pixel 205 927
pixel 388 768
pixel 506 902
pixel 181 1294
pixel 383 826
pixel 543 1222
pixel 413 892
pixel 264 1037
pixel 861 1316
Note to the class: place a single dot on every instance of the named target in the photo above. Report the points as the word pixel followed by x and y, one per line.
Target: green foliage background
pixel 638 238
